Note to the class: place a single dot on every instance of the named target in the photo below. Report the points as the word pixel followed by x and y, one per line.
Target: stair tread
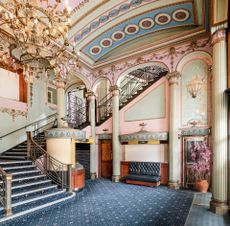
pixel 17 194
pixel 19 167
pixel 31 184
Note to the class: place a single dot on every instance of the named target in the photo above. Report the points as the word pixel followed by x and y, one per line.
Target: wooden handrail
pixel 32 123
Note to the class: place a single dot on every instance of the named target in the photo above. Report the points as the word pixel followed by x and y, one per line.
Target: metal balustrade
pixel 132 85
pixel 5 192
pixel 58 172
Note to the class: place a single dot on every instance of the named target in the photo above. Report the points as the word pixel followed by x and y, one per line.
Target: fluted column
pixel 92 119
pixel 218 203
pixel 174 154
pixel 61 108
pixel 115 136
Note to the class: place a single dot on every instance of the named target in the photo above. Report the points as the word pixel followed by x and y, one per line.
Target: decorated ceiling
pixel 107 30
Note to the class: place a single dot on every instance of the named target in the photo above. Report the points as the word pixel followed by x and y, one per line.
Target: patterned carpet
pixel 104 203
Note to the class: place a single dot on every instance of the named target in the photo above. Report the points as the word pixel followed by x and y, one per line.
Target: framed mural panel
pixel 188 177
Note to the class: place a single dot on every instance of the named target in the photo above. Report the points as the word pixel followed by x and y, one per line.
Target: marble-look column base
pixel 116 178
pixel 218 207
pixel 93 176
pixel 173 185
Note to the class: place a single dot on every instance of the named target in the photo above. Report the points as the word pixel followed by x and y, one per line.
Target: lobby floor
pixel 200 215
pixel 103 203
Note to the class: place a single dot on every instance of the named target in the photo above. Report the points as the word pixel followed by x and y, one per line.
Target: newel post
pixel 29 143
pixel 69 177
pixel 8 182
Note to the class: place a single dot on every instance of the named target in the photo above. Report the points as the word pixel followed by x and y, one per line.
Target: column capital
pixel 59 84
pixel 173 77
pixel 115 90
pixel 90 95
pixel 218 36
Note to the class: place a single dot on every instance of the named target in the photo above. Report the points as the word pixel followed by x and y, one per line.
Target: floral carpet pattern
pixel 104 203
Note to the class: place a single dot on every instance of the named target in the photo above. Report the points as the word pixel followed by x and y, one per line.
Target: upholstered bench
pixel 144 173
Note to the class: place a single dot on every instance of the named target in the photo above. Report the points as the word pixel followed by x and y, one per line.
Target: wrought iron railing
pixel 77 111
pixel 131 86
pixel 58 172
pixel 5 191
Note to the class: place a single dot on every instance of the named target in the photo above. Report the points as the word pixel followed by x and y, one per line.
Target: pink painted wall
pixel 155 125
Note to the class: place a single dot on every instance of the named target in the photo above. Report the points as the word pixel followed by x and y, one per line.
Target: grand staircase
pixel 31 189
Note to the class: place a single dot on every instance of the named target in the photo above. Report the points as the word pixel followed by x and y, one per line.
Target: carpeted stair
pixel 20 151
pixel 31 189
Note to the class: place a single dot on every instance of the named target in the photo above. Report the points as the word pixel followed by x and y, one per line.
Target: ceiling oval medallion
pixel 118 35
pixel 106 42
pixel 124 7
pixel 131 29
pixel 94 25
pixel 162 18
pixel 180 15
pixel 146 23
pixel 95 50
pixel 103 19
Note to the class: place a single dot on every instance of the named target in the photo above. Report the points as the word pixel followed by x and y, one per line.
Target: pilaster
pixel 115 135
pixel 91 99
pixel 61 108
pixel 174 154
pixel 218 202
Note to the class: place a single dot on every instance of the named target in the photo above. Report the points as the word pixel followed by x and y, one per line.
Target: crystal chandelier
pixel 194 86
pixel 36 24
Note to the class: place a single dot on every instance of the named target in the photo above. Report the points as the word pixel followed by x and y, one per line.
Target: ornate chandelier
pixel 35 25
pixel 194 86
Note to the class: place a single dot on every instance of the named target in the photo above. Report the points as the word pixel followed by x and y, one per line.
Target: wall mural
pixel 194 108
pixel 168 17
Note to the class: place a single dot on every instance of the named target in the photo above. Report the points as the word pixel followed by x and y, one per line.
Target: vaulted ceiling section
pixel 106 31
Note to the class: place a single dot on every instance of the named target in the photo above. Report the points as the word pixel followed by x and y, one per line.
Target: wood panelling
pixel 124 168
pixel 229 59
pixel 78 179
pixel 106 158
pixel 164 171
pixel 143 183
pixel 22 89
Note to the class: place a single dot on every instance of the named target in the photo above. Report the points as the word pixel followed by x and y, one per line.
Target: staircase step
pixel 31 184
pixel 19 169
pixel 13 163
pixel 25 172
pixel 12 157
pixel 15 153
pixel 48 195
pixel 27 192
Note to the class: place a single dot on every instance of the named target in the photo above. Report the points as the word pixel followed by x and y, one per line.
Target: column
pixel 174 151
pixel 61 108
pixel 218 202
pixel 91 101
pixel 115 136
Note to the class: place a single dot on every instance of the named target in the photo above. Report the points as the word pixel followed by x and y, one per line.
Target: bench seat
pixel 144 173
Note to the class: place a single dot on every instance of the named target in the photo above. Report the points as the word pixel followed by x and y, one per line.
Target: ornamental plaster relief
pixel 169 57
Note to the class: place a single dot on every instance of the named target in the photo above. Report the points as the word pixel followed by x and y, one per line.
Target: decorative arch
pixel 97 81
pixel 197 55
pixel 127 71
pixel 83 79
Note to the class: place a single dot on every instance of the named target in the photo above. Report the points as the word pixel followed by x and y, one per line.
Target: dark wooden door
pixel 106 158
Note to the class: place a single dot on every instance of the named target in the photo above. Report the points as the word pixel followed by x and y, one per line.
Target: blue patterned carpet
pixel 103 203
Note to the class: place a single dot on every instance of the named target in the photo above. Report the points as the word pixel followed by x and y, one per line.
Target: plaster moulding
pixel 14 113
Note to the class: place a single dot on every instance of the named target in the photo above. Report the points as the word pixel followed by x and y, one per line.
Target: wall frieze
pixel 13 112
pixel 170 57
